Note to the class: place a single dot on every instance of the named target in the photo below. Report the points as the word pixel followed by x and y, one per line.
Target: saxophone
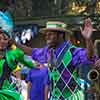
pixel 94 77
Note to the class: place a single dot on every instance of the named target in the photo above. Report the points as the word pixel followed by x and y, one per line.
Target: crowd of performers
pixel 53 73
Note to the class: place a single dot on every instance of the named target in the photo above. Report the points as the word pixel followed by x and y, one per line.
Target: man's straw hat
pixel 54 26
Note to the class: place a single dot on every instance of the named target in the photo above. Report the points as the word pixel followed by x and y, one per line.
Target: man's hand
pixel 88 29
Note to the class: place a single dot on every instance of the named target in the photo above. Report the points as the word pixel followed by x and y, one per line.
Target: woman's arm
pixel 27 50
pixel 18 54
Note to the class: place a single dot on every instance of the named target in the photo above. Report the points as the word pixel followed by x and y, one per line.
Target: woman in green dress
pixel 10 56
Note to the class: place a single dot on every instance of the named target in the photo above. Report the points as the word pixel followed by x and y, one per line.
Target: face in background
pixel 53 38
pixel 3 41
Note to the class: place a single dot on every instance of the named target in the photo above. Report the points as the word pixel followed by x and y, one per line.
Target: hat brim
pixel 44 30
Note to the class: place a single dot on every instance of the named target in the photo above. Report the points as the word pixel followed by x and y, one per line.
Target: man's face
pixel 52 38
pixel 3 41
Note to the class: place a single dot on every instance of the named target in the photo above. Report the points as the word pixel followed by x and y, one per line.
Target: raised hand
pixel 88 29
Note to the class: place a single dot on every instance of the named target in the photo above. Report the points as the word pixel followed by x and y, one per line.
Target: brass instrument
pixel 93 75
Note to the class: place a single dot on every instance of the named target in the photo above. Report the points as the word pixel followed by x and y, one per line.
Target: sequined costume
pixel 11 56
pixel 7 65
